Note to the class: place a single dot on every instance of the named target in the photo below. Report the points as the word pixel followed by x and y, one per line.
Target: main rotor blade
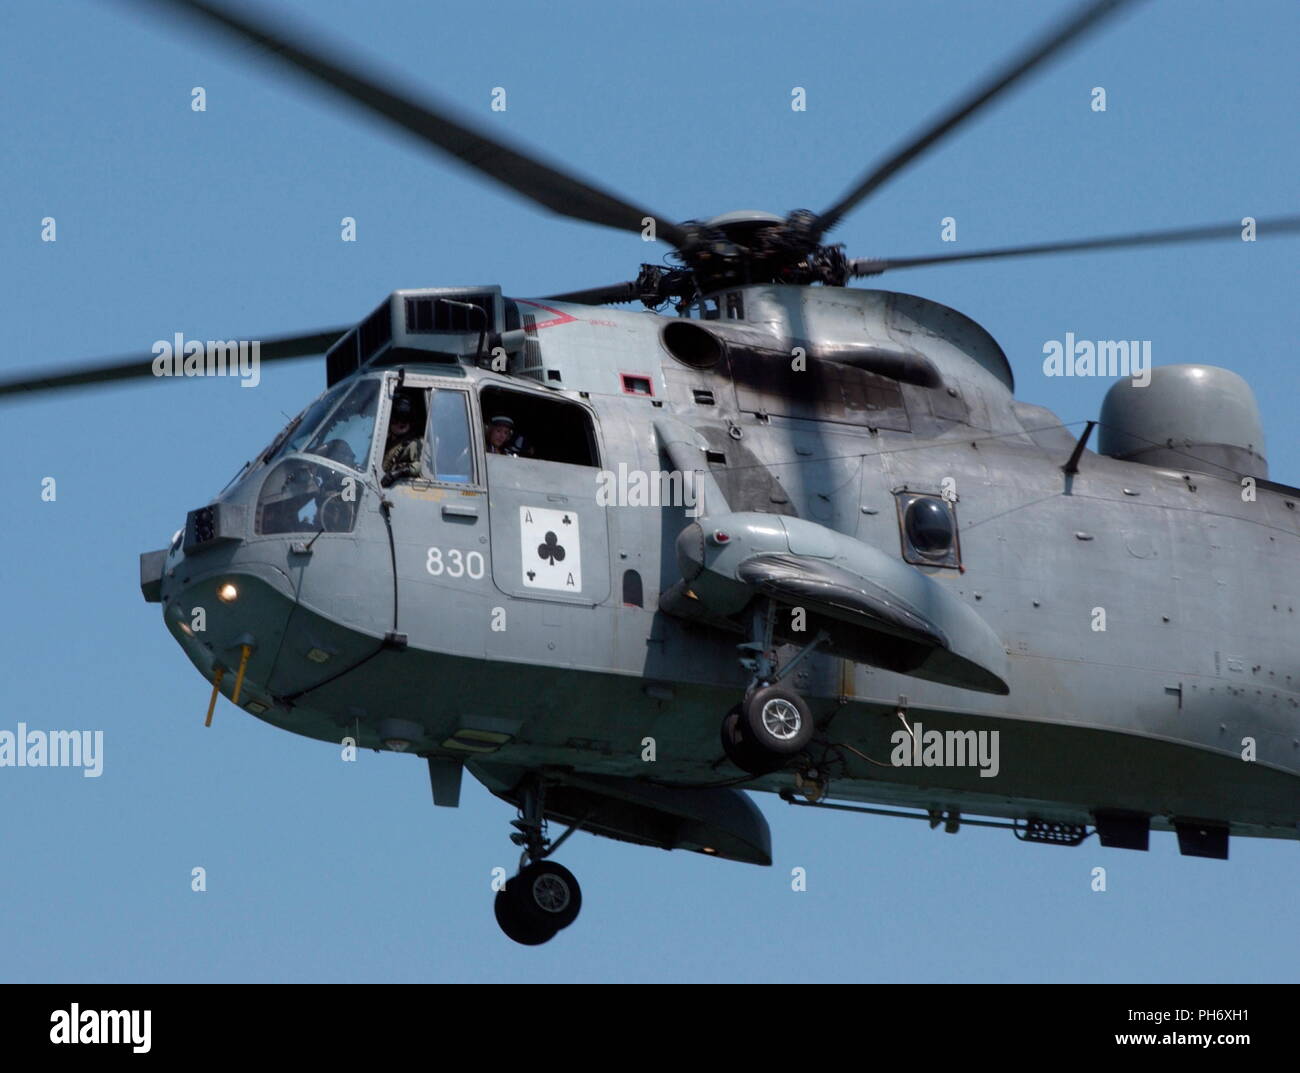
pixel 521 171
pixel 139 366
pixel 1282 225
pixel 599 296
pixel 1052 43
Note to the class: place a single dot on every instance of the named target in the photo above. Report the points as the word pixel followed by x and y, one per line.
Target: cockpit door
pixel 439 515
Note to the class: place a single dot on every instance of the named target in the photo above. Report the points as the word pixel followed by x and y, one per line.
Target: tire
pixel 522 929
pixel 741 751
pixel 777 722
pixel 546 893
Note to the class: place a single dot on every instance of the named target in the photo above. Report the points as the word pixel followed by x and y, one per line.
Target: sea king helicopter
pixel 873 580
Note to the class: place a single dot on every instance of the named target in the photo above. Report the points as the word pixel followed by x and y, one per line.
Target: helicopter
pixel 869 581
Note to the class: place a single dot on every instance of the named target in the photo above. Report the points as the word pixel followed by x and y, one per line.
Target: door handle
pixel 459 510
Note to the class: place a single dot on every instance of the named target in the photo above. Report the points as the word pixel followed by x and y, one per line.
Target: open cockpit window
pixel 428 437
pixel 526 425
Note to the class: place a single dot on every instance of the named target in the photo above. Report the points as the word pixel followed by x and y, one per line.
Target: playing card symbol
pixel 551 550
pixel 532 574
pixel 565 520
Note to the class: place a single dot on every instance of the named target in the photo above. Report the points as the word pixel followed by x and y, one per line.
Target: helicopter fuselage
pixel 527 612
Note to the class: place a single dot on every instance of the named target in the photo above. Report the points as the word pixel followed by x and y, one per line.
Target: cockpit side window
pixel 428 436
pixel 448 453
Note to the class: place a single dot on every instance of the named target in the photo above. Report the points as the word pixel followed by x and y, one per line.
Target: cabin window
pixel 540 428
pixel 636 384
pixel 929 530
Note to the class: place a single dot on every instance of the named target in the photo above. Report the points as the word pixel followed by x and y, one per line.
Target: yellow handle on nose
pixel 216 690
pixel 244 651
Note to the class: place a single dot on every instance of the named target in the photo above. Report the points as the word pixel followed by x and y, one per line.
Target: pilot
pixel 404 448
pixel 500 437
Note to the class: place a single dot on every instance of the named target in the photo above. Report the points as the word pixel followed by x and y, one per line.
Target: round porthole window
pixel 930 528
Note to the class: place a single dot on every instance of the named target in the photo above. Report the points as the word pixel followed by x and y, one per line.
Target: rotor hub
pixel 752 246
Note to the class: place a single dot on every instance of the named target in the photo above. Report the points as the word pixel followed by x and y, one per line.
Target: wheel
pixel 522 929
pixel 547 893
pixel 777 721
pixel 741 751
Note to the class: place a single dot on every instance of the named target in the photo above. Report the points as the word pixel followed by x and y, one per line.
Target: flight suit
pixel 402 459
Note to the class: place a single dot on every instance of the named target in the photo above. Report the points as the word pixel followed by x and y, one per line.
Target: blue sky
pixel 226 223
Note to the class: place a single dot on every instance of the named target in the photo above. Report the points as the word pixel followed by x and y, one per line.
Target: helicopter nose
pixel 227 616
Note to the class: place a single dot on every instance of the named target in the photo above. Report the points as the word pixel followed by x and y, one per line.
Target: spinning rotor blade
pixel 871 266
pixel 140 366
pixel 599 296
pixel 1054 42
pixel 522 172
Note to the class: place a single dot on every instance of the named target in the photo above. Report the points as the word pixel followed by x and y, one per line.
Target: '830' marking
pixel 455 563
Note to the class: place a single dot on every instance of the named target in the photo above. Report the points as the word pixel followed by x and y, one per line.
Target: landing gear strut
pixel 544 897
pixel 772 724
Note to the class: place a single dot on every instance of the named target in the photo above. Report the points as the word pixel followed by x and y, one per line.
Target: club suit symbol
pixel 551 550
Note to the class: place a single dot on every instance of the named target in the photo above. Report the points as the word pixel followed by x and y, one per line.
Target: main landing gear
pixel 544 897
pixel 773 724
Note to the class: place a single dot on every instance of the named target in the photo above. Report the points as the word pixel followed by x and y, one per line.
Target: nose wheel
pixel 544 897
